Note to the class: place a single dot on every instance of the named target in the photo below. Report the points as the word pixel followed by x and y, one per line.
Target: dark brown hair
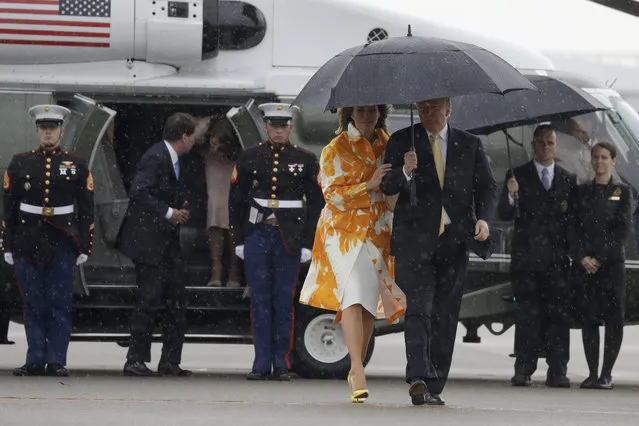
pixel 221 127
pixel 177 125
pixel 344 116
pixel 607 146
pixel 543 128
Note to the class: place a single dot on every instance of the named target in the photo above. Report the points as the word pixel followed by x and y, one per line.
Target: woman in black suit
pixel 604 213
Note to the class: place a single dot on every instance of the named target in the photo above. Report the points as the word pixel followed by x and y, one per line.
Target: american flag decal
pixel 70 23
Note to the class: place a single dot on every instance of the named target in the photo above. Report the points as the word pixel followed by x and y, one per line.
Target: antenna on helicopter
pixel 410 34
pixel 611 84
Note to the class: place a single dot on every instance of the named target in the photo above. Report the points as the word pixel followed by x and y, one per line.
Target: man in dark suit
pixel 540 197
pixel 150 237
pixel 456 197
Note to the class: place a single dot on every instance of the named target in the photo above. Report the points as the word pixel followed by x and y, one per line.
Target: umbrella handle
pixel 511 173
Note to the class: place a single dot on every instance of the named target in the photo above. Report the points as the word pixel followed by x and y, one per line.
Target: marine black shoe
pixel 281 374
pixel 30 370
pixel 257 375
pixel 57 370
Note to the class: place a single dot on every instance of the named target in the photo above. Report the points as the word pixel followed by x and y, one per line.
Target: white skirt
pixel 362 284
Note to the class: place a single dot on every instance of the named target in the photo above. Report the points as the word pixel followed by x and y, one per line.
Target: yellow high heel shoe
pixel 357 396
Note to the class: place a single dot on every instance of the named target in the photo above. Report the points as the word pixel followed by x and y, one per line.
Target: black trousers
pixel 543 320
pixel 161 299
pixel 434 289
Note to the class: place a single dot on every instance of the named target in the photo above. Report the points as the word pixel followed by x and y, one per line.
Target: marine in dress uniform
pixel 47 231
pixel 274 204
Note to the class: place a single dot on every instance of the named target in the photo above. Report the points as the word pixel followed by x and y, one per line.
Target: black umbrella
pixel 403 70
pixel 487 113
pixel 556 99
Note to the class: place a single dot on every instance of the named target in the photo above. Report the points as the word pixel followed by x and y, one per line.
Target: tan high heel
pixel 357 396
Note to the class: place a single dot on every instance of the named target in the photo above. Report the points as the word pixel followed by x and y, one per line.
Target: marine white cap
pixel 49 113
pixel 277 113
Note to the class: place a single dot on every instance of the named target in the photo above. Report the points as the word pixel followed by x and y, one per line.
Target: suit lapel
pixel 557 181
pixel 534 178
pixel 452 156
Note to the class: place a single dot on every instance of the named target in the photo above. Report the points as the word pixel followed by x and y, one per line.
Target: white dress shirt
pixel 174 159
pixel 442 139
pixel 539 168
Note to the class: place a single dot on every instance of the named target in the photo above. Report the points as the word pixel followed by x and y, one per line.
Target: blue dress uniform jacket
pixel 276 173
pixel 279 180
pixel 48 180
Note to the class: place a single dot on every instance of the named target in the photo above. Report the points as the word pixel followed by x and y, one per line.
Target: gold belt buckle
pixel 47 211
pixel 273 204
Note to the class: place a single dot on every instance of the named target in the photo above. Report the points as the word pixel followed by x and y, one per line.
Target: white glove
pixel 81 259
pixel 239 251
pixel 306 255
pixel 8 257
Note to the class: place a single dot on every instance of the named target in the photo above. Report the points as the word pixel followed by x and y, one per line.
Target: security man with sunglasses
pixel 47 230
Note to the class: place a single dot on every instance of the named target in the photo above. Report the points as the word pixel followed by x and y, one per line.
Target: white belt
pixel 279 204
pixel 46 211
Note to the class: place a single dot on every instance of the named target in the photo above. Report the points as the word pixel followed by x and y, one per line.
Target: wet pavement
pixel 478 392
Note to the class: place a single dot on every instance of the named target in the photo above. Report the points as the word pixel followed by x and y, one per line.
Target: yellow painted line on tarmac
pixel 620 412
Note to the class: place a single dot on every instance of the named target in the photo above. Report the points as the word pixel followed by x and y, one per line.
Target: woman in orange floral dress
pixel 352 270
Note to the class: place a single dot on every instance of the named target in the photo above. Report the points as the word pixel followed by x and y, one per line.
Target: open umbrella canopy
pixel 556 99
pixel 403 70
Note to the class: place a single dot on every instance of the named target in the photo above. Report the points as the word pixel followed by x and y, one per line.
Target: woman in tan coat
pixel 351 266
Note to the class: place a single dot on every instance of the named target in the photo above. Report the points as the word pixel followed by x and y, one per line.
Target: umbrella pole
pixel 510 172
pixel 413 186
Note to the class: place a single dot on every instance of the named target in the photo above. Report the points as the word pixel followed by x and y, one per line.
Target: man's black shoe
pixel 281 374
pixel 257 375
pixel 138 369
pixel 433 399
pixel 168 369
pixel 520 380
pixel 417 392
pixel 30 370
pixel 558 382
pixel 57 370
pixel 604 383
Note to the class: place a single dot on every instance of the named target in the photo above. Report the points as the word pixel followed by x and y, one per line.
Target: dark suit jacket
pixel 469 191
pixel 146 233
pixel 604 220
pixel 544 231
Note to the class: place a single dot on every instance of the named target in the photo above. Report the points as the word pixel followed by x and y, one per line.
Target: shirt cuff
pixel 404 171
pixel 169 213
pixel 511 200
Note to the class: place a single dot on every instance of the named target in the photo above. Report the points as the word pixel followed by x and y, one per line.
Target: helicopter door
pixel 246 121
pixel 87 134
pixel 91 137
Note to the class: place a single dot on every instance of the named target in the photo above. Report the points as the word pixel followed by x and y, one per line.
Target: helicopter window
pixel 496 145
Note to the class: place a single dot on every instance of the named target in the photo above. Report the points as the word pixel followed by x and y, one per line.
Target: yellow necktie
pixel 439 165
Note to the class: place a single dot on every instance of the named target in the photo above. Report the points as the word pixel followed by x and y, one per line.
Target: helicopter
pixel 123 67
